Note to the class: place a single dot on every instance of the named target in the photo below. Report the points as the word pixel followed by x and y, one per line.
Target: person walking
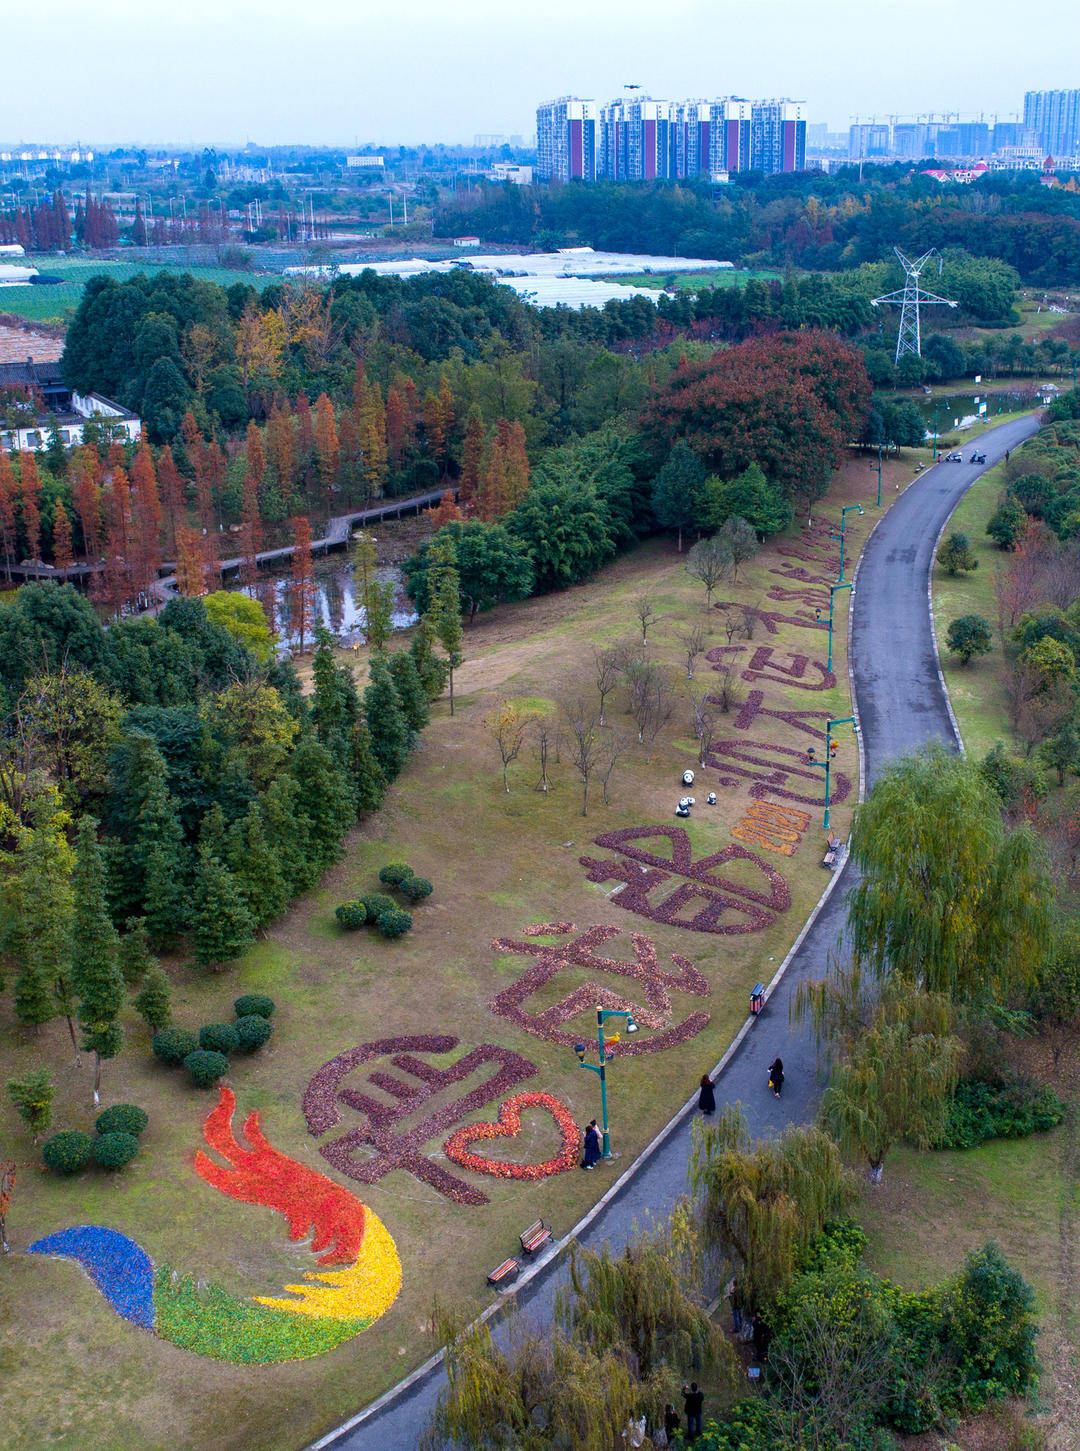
pixel 776 1075
pixel 707 1097
pixel 592 1146
pixel 693 1403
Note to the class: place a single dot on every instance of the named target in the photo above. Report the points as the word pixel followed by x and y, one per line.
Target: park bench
pixel 534 1237
pixel 506 1271
pixel 832 851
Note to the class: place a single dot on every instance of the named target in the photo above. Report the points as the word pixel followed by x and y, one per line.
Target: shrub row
pixel 114 1146
pixel 378 910
pixel 205 1055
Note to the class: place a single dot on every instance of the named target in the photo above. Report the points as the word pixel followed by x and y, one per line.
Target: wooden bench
pixel 831 853
pixel 506 1271
pixel 535 1237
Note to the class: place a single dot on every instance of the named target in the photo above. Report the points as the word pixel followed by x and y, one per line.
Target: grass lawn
pixel 57 304
pixel 695 281
pixel 76 1374
pixel 978 699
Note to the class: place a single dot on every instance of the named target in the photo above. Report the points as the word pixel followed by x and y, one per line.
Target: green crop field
pixel 696 281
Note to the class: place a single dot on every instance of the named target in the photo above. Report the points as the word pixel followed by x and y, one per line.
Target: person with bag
pixel 592 1152
pixel 776 1075
pixel 707 1097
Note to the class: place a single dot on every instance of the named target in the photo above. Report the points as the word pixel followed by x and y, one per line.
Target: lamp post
pixel 942 404
pixel 602 1015
pixel 878 467
pixel 830 751
pixel 832 600
pixel 843 525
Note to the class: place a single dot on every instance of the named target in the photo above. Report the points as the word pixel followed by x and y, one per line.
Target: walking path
pixel 901 704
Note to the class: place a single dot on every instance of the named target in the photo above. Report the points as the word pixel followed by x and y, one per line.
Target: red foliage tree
pixel 8 489
pixel 29 494
pixel 63 557
pixel 250 531
pixel 172 492
pixel 146 520
pixel 303 579
pixel 472 458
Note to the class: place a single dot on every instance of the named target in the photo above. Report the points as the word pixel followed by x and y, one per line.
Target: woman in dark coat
pixel 707 1097
pixel 592 1146
pixel 776 1075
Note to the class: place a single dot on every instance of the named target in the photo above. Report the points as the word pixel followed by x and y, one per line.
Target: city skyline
pixel 423 74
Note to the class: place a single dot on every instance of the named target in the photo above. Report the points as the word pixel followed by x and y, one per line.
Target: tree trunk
pixel 585 798
pixel 97 1079
pixel 74 1040
pixel 451 690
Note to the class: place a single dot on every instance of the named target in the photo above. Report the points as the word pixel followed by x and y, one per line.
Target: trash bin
pixel 757 999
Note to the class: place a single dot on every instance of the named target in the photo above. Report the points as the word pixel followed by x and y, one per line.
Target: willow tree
pixel 761 1203
pixel 638 1304
pixel 536 1390
pixel 946 897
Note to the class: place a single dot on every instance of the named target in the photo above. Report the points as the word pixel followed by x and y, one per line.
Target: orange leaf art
pixel 508 1126
pixel 262 1175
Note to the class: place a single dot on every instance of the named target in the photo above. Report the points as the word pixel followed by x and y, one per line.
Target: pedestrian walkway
pixel 901 705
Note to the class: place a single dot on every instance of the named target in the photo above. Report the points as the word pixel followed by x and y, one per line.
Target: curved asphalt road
pixel 901 705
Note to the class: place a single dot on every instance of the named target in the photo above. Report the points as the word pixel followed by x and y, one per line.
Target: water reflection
pixel 337 601
pixel 962 410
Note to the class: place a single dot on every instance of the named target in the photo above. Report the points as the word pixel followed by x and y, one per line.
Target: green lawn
pixel 77 1375
pixel 57 304
pixel 695 281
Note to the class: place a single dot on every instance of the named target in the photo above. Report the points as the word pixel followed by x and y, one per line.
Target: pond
pixel 337 601
pixel 961 410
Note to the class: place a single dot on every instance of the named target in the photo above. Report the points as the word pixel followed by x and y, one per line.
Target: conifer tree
pixel 222 923
pixel 287 833
pixel 62 555
pixel 444 610
pixel 429 667
pixel 256 867
pixel 325 800
pixel 336 705
pixel 135 956
pixel 410 689
pixel 95 966
pixel 368 776
pixel 32 1095
pixel 42 915
pixel 154 1003
pixel 385 719
pixel 472 456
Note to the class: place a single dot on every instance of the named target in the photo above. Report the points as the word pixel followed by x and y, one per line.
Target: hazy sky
pixel 334 71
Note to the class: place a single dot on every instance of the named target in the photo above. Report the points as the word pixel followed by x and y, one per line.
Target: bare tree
pixel 693 643
pixel 607 665
pixel 728 691
pixel 584 744
pixel 640 675
pixel 703 716
pixel 508 725
pixel 661 705
pixel 615 745
pixel 709 562
pixel 543 749
pixel 731 620
pixel 749 615
pixel 740 541
pixel 646 614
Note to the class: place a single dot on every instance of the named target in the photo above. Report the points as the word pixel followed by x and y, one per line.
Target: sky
pixel 334 72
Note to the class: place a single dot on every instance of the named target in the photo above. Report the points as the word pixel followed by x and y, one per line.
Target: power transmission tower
pixel 909 338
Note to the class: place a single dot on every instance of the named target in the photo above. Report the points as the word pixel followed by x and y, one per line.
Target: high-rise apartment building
pixel 642 139
pixel 1053 117
pixel 868 138
pixel 777 137
pixel 567 136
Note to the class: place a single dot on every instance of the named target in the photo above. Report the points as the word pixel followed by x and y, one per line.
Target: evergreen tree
pixel 679 491
pixel 135 957
pixel 410 689
pixel 256 867
pixel 369 780
pixel 222 923
pixel 42 909
pixel 444 610
pixel 95 966
pixel 32 1095
pixel 335 707
pixel 288 833
pixel 324 801
pixel 385 720
pixel 429 667
pixel 154 1003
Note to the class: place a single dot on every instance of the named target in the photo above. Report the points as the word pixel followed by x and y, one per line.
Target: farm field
pixel 469 976
pixel 695 281
pixel 57 304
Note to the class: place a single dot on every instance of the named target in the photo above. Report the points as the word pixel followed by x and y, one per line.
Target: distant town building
pixel 566 139
pixel 365 162
pixel 512 172
pixel 777 137
pixel 1053 118
pixel 458 242
pixel 52 403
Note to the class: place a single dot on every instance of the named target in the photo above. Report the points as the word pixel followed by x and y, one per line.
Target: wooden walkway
pixel 338 532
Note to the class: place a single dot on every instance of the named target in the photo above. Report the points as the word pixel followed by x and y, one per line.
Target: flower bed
pixel 508 1125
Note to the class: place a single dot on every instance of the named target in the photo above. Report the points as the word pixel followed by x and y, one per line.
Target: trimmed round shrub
pixel 122 1118
pixel 206 1068
pixel 218 1038
pixel 172 1045
pixel 254 1003
pixel 252 1032
pixel 393 923
pixel 376 903
pixel 67 1152
pixel 113 1151
pixel 416 888
pixel 351 915
pixel 394 873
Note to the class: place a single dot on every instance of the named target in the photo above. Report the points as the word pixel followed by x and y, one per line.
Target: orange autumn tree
pixel 8 489
pixel 63 557
pixel 303 579
pixel 146 520
pixel 326 446
pixel 517 465
pixel 189 569
pixel 472 458
pixel 446 512
pixel 29 495
pixel 172 493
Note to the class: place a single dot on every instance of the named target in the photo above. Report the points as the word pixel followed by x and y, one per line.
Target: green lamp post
pixel 605 1055
pixel 833 588
pixel 830 751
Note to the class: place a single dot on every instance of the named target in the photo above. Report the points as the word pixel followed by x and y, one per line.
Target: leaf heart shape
pixel 508 1126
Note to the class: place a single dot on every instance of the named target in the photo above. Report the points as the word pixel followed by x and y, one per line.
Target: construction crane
pixel 911 298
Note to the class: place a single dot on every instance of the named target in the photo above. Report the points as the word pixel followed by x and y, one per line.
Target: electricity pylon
pixel 909 338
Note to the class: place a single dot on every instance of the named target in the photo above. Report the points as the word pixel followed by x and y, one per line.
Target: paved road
pixel 901 705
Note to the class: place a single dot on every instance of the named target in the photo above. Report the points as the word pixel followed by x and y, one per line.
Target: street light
pixel 843 525
pixel 944 403
pixel 830 751
pixel 878 467
pixel 832 600
pixel 602 1015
